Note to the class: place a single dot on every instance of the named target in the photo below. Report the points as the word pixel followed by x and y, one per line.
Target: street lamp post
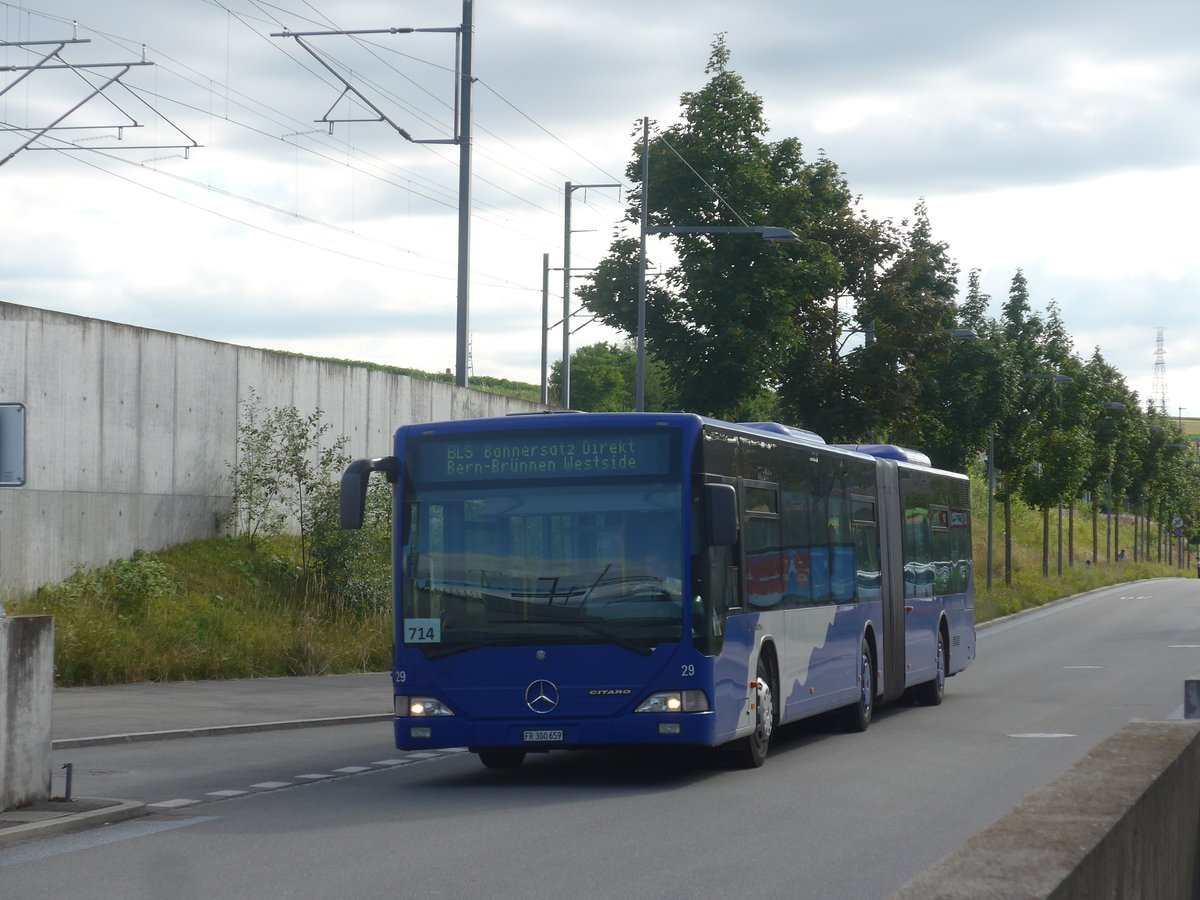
pixel 771 233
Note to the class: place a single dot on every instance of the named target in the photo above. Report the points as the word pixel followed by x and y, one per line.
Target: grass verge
pixel 204 610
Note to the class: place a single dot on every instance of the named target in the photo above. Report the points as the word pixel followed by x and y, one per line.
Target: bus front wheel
pixel 501 757
pixel 750 752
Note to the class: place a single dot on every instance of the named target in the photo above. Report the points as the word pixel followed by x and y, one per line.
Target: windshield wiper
pixel 617 639
pixel 609 636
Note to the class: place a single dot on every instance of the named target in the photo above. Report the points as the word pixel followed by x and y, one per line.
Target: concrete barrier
pixel 1122 822
pixel 128 432
pixel 26 691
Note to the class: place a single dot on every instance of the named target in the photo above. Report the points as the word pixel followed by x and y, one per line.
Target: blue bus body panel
pixel 597 688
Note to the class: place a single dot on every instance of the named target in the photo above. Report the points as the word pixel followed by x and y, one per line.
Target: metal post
pixel 566 291
pixel 1108 523
pixel 1060 546
pixel 464 196
pixel 641 311
pixel 566 270
pixel 545 323
pixel 991 502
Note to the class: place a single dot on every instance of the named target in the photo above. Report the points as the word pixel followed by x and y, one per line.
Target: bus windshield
pixel 545 563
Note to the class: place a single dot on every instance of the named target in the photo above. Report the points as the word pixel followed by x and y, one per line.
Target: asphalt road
pixel 830 815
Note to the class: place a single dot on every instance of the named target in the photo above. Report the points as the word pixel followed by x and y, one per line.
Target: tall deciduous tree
pixel 1015 447
pixel 603 379
pixel 728 316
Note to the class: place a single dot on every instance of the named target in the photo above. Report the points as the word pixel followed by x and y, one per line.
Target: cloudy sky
pixel 1059 138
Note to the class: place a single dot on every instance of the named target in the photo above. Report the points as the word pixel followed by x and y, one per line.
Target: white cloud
pixel 1056 138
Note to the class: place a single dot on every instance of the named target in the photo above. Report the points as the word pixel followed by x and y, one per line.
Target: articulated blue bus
pixel 572 580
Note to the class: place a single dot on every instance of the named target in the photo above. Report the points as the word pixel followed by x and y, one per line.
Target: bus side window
pixel 841 537
pixel 918 555
pixel 867 577
pixel 760 539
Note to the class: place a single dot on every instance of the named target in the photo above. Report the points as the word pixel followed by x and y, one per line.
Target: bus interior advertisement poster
pixel 576 454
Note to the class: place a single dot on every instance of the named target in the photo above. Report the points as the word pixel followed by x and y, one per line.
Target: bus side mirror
pixel 721 514
pixel 352 501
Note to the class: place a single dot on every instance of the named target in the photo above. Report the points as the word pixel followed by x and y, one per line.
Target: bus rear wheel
pixel 931 692
pixel 750 752
pixel 857 716
pixel 501 757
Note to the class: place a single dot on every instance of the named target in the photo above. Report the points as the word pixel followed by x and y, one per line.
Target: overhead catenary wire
pixel 294 128
pixel 266 120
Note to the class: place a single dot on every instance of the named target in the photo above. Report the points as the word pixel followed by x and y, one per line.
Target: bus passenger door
pixel 891 558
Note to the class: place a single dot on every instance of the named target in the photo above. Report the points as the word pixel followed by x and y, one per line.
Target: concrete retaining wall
pixel 129 432
pixel 26 689
pixel 1123 822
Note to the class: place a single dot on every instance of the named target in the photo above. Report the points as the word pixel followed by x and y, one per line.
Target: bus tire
pixel 857 716
pixel 501 757
pixel 931 692
pixel 750 752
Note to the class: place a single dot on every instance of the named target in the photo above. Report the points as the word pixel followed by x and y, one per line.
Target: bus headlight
pixel 420 707
pixel 674 701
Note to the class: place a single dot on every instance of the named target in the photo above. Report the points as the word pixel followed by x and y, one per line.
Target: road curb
pixel 215 731
pixel 62 822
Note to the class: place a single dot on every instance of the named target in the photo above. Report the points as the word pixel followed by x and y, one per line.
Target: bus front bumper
pixel 534 735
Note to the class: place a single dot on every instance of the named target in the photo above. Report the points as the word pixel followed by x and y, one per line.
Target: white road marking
pixel 310 777
pixel 1083 667
pixel 1036 734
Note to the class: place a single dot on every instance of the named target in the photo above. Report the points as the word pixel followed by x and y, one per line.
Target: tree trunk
pixel 1007 538
pixel 1095 530
pixel 1116 547
pixel 1071 533
pixel 1045 541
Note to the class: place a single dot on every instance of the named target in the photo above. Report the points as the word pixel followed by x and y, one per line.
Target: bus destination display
pixel 599 454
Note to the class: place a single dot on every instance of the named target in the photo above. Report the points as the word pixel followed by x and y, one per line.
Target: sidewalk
pixel 144 712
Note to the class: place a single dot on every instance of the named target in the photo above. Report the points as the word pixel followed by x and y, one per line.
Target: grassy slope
pixel 207 609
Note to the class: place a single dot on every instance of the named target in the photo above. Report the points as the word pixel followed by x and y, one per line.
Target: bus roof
pixel 524 420
pixel 800 434
pixel 890 451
